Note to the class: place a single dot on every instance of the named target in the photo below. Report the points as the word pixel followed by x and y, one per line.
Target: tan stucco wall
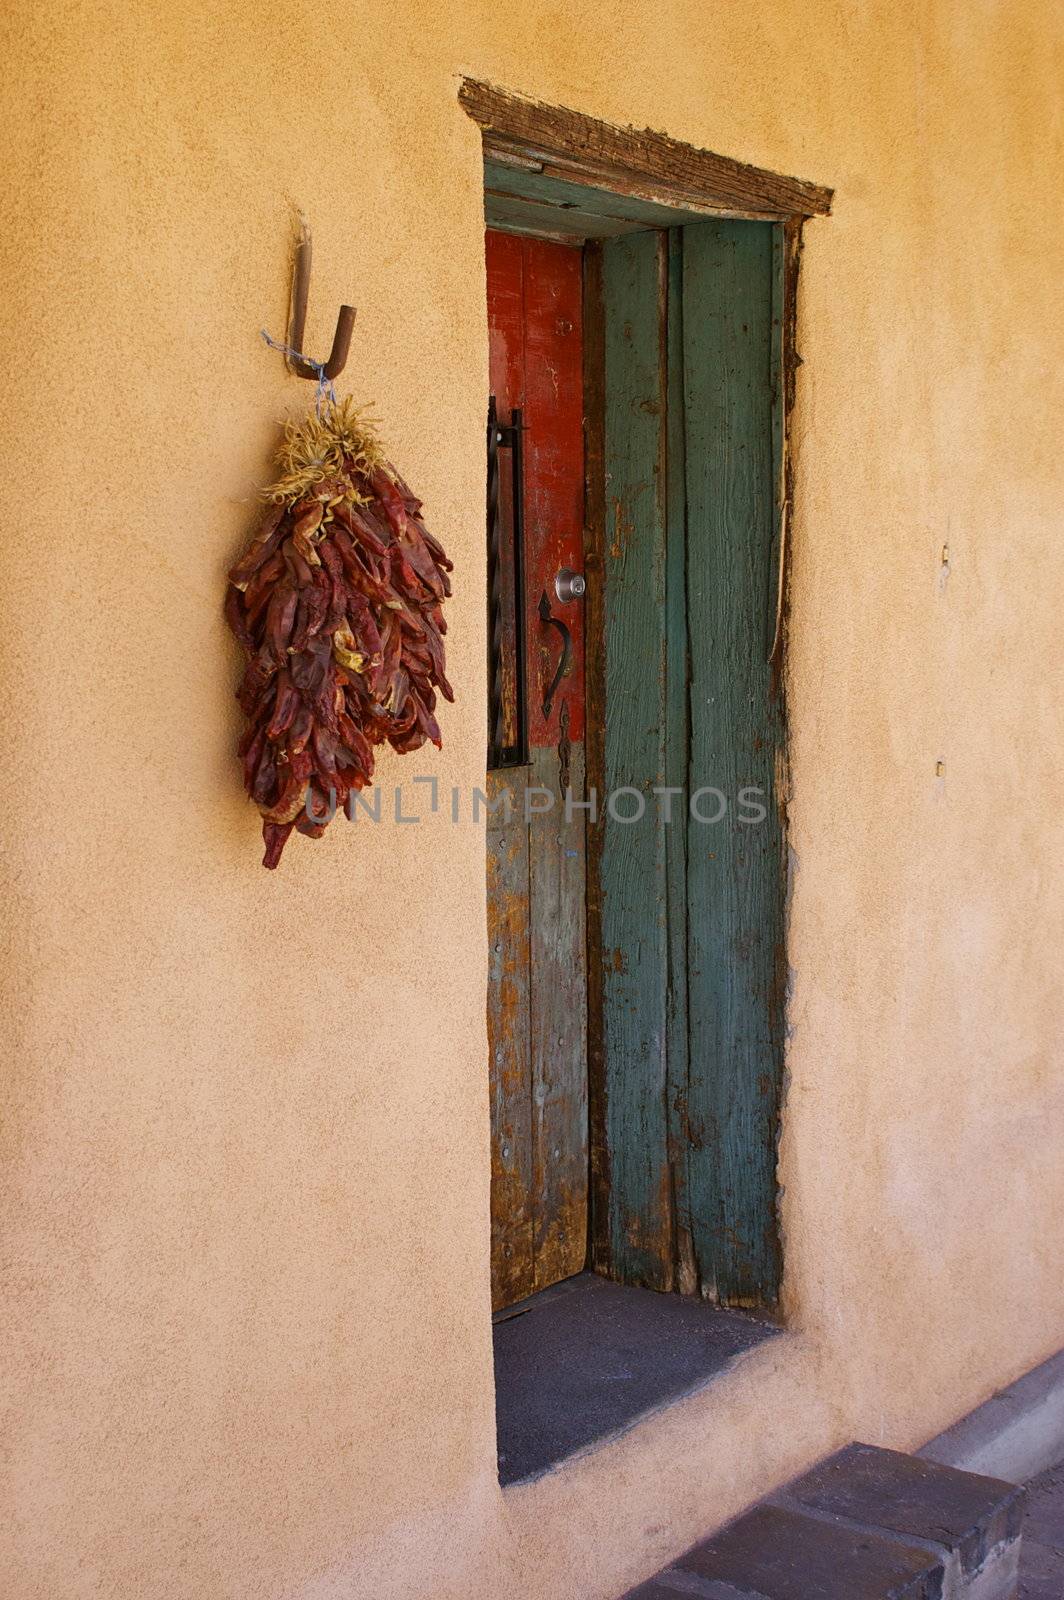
pixel 244 1161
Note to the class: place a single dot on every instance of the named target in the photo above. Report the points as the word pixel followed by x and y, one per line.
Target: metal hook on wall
pixel 298 362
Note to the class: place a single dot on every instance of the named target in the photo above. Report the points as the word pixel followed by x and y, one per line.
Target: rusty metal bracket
pixel 298 362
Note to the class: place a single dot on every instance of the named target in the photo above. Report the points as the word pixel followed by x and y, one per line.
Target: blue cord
pixel 325 390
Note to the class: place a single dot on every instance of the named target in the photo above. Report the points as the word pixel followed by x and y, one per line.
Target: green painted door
pixel 689 862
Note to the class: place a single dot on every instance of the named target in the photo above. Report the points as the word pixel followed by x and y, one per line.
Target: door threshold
pixel 584 1360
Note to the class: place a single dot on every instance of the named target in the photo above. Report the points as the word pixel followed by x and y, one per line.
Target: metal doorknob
pixel 569 585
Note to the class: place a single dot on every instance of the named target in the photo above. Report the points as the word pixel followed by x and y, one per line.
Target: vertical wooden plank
pixel 595 739
pixel 554 522
pixel 773 592
pixel 735 880
pixel 505 262
pixel 554 473
pixel 537 999
pixel 558 1024
pixel 677 738
pixel 789 241
pixel 633 870
pixel 512 1258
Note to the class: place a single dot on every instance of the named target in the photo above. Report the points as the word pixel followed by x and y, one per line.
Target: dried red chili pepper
pixel 336 604
pixel 261 548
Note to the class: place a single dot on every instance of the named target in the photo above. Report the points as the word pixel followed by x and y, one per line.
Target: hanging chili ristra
pixel 337 604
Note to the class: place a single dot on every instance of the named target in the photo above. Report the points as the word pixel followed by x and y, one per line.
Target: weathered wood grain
pixel 791 233
pixel 688 373
pixel 734 868
pixel 589 151
pixel 515 197
pixel 677 745
pixel 689 915
pixel 520 216
pixel 632 864
pixel 595 742
pixel 537 1002
pixel 554 475
pixel 558 1026
pixel 505 261
pixel 512 1258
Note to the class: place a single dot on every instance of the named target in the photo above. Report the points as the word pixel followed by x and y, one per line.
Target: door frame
pixel 658 177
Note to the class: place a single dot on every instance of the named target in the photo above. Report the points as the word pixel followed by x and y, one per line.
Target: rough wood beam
pixel 597 152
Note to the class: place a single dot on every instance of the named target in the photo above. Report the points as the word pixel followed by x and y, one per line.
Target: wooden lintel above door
pixel 567 146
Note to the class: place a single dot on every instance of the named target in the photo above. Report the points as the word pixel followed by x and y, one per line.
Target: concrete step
pixel 866 1524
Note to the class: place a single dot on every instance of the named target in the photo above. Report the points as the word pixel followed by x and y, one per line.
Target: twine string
pixel 325 391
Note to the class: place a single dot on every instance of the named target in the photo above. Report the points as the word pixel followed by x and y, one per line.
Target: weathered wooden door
pixel 537 1005
pixel 666 372
pixel 688 906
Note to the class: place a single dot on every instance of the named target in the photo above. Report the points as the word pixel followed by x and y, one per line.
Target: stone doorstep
pixel 1017 1434
pixel 866 1524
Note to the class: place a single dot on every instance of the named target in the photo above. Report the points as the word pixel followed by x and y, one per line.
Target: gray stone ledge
pixel 1016 1435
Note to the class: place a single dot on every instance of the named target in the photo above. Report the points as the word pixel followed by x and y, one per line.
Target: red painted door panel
pixel 535 294
pixel 536 857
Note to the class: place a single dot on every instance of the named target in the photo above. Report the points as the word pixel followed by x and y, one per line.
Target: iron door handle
pixel 546 615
